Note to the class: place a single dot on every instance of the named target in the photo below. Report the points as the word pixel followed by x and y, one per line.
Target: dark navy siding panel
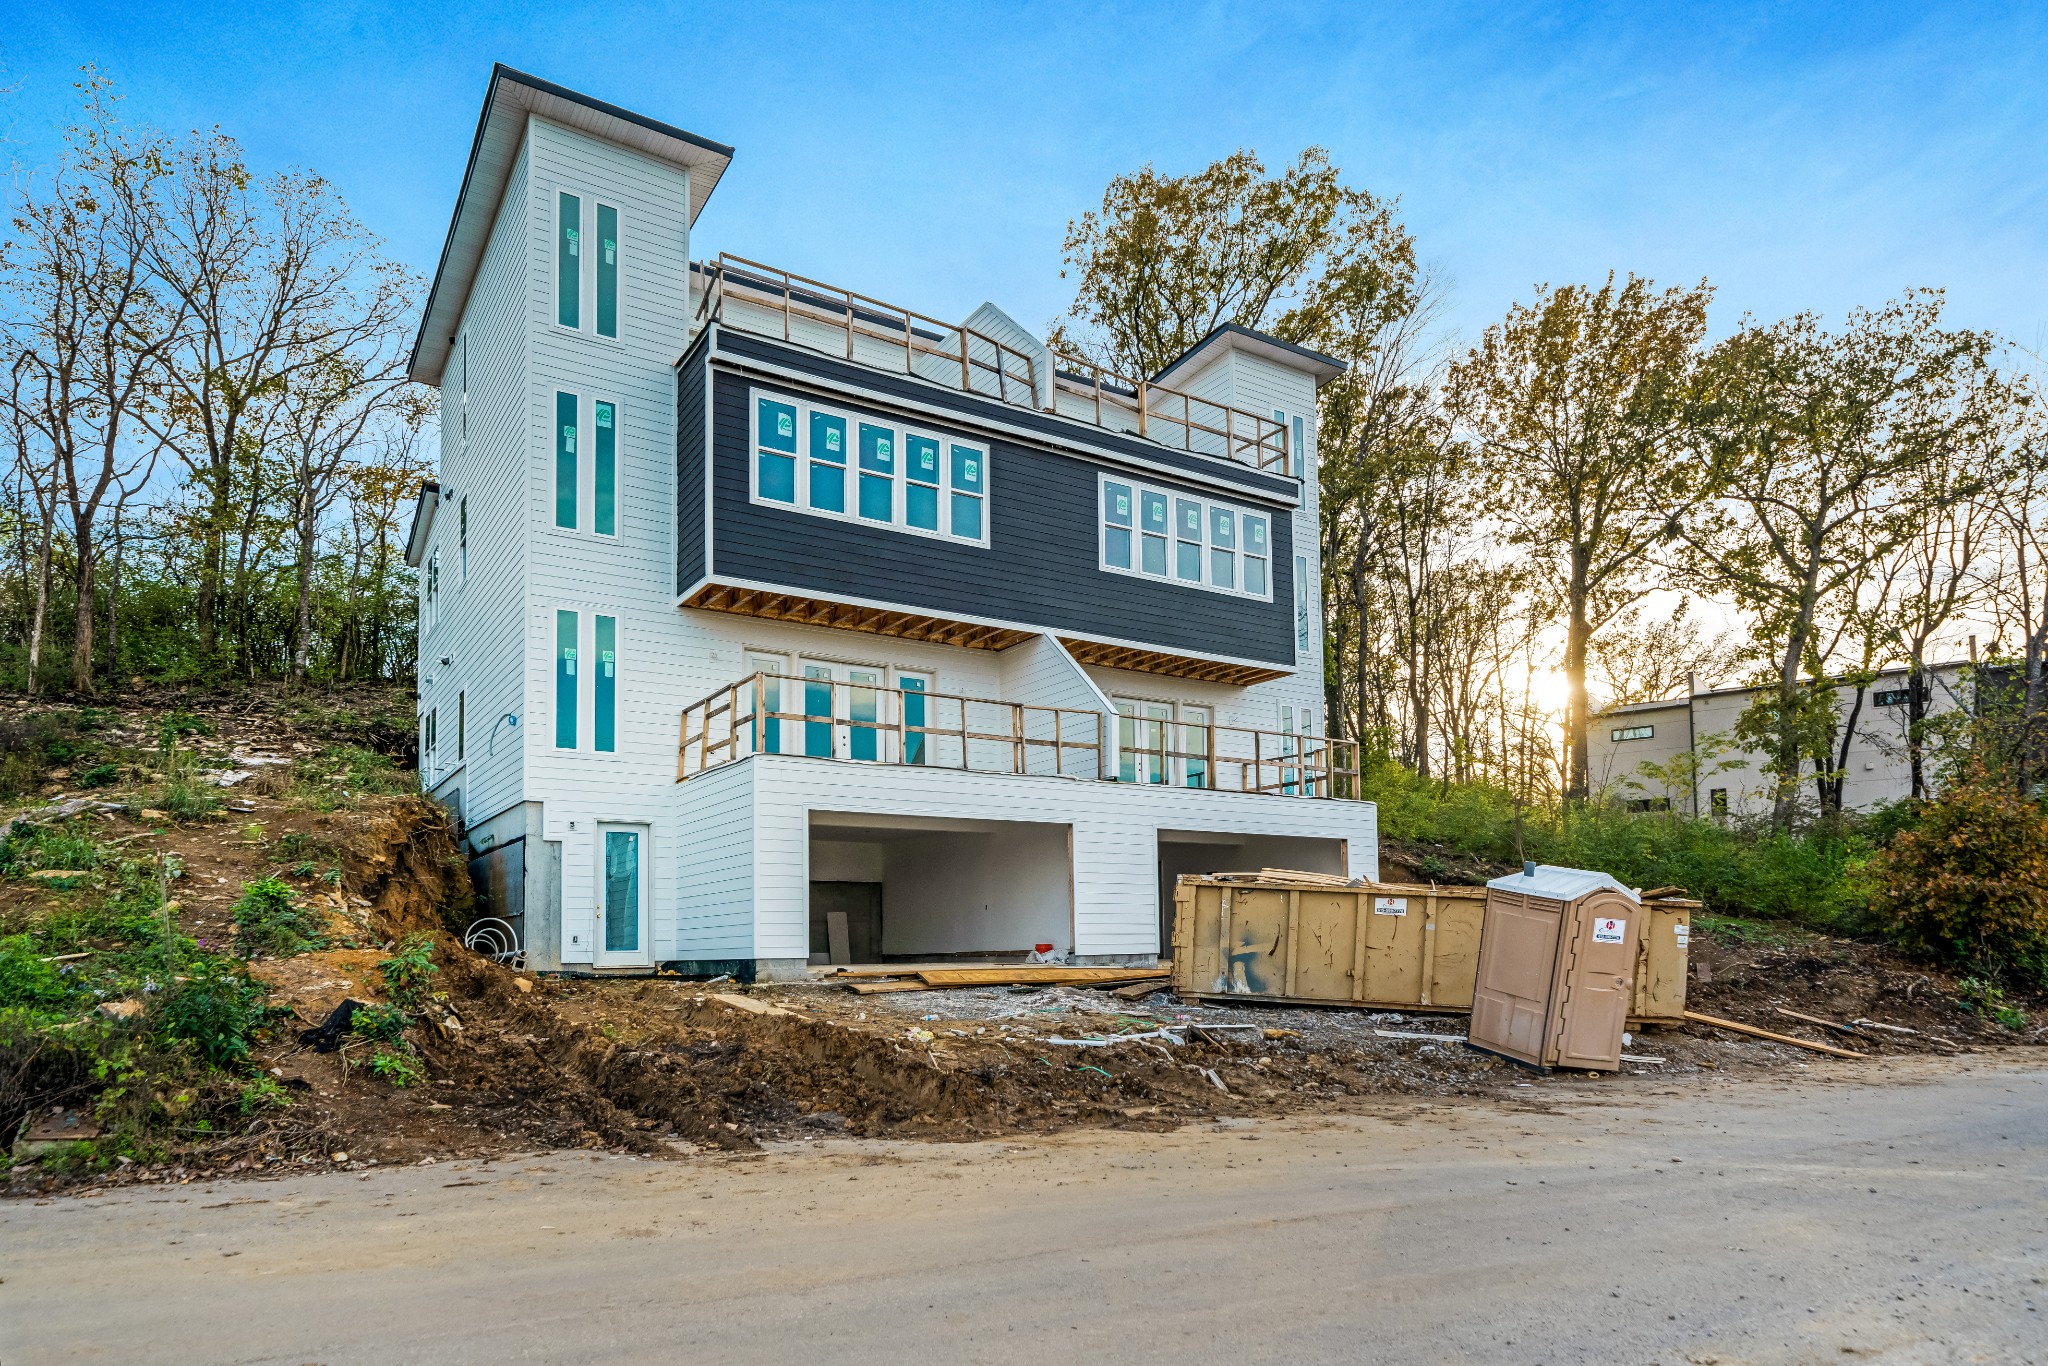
pixel 690 468
pixel 1058 430
pixel 1040 569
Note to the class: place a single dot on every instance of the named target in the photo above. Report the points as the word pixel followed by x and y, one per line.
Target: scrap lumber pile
pixel 874 981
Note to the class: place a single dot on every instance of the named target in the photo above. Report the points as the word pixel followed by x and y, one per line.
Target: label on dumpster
pixel 1684 934
pixel 1390 905
pixel 1608 930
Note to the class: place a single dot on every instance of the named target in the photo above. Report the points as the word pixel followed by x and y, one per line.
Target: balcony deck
pixel 768 713
pixel 1016 369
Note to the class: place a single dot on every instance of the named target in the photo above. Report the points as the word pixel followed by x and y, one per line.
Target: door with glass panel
pixel 1194 747
pixel 1143 729
pixel 844 716
pixel 767 700
pixel 622 888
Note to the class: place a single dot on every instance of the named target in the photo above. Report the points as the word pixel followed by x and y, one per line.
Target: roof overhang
pixel 422 523
pixel 511 97
pixel 1232 337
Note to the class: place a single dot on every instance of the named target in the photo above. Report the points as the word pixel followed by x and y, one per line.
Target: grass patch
pixel 340 776
pixel 269 922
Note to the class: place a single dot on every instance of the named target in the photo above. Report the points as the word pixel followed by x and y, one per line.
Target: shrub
pixel 385 1024
pixel 1969 885
pixel 100 775
pixel 410 972
pixel 27 981
pixel 216 1009
pixel 268 921
pixel 399 1066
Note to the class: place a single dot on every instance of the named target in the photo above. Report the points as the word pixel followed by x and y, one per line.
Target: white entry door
pixel 623 929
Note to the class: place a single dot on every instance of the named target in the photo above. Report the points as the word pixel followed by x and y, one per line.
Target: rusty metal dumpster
pixel 1321 940
pixel 1557 965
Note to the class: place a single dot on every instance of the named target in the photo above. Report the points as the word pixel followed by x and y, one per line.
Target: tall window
pixel 604 492
pixel 568 260
pixel 461 725
pixel 462 534
pixel 901 477
pixel 565 460
pixel 775 451
pixel 565 680
pixel 1301 604
pixel 432 591
pixel 605 713
pixel 607 271
pixel 1299 447
pixel 1193 541
pixel 431 742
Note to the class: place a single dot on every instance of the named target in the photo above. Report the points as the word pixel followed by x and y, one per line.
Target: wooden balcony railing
pixel 766 299
pixel 829 718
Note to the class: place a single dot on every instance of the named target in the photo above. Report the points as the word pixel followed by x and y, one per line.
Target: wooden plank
pixel 1138 991
pixel 1737 1028
pixel 1034 975
pixel 872 988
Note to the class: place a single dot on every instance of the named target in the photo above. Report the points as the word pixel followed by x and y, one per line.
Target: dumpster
pixel 1661 960
pixel 1316 939
pixel 1557 967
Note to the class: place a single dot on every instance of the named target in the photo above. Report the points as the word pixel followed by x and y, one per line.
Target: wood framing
pixel 1171 665
pixel 794 607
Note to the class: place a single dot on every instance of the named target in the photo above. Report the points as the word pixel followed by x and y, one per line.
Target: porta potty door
pixel 1596 981
pixel 1511 999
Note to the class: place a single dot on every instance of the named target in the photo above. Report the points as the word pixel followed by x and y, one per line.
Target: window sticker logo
pixel 569 436
pixel 785 424
pixel 882 447
pixel 569 659
pixel 573 237
pixel 609 658
pixel 611 252
pixel 1123 505
pixel 604 415
pixel 1193 520
pixel 832 438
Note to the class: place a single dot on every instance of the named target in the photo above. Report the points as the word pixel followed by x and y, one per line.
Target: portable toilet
pixel 1557 962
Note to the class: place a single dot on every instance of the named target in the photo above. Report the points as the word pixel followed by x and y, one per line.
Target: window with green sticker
pixel 1116 525
pixel 921 482
pixel 775 462
pixel 565 680
pixel 565 460
pixel 568 260
pixel 605 474
pixel 607 271
pixel 1152 508
pixel 828 462
pixel 1256 557
pixel 1222 547
pixel 969 472
pixel 605 686
pixel 1187 558
pixel 877 473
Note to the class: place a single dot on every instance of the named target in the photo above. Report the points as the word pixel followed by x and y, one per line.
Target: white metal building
pixel 764 623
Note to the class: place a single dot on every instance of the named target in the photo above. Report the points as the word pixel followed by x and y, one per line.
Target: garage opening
pixel 1185 852
pixel 892 889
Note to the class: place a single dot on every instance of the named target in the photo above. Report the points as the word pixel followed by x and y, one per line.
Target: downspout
pixel 1692 687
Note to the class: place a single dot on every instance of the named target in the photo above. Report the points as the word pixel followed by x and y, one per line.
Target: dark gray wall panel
pixel 1040 569
pixel 690 467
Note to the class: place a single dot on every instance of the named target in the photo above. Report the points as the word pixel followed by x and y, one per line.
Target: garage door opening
pixel 889 889
pixel 1196 852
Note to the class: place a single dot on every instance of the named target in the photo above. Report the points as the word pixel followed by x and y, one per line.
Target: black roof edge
pixel 603 107
pixel 1239 329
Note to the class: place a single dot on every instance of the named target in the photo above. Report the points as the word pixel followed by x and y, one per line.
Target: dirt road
pixel 1895 1217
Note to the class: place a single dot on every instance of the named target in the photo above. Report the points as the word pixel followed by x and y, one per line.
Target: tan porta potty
pixel 1557 962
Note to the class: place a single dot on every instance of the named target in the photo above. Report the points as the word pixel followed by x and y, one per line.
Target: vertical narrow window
pixel 766 702
pixel 775 463
pixel 1301 604
pixel 877 473
pixel 921 486
pixel 1299 447
pixel 607 271
pixel 565 460
pixel 863 714
pixel 462 534
pixel 465 389
pixel 1187 558
pixel 605 711
pixel 1256 556
pixel 1286 440
pixel 828 462
pixel 433 744
pixel 565 680
pixel 1152 541
pixel 604 512
pixel 621 891
pixel 818 711
pixel 1194 746
pixel 1222 547
pixel 970 486
pixel 568 260
pixel 461 726
pixel 1116 525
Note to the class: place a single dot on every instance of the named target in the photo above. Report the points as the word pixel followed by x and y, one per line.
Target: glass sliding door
pixel 863 714
pixel 818 726
pixel 911 690
pixel 1142 732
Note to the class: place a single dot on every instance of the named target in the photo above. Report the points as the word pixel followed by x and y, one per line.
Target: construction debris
pixel 1022 974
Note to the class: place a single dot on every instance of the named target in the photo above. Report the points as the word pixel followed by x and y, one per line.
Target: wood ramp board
pixel 1737 1027
pixel 1035 975
pixel 872 987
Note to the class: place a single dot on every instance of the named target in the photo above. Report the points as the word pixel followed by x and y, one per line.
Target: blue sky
pixel 1799 156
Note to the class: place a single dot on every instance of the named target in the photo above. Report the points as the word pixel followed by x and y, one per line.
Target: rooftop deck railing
pixel 829 718
pixel 868 331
